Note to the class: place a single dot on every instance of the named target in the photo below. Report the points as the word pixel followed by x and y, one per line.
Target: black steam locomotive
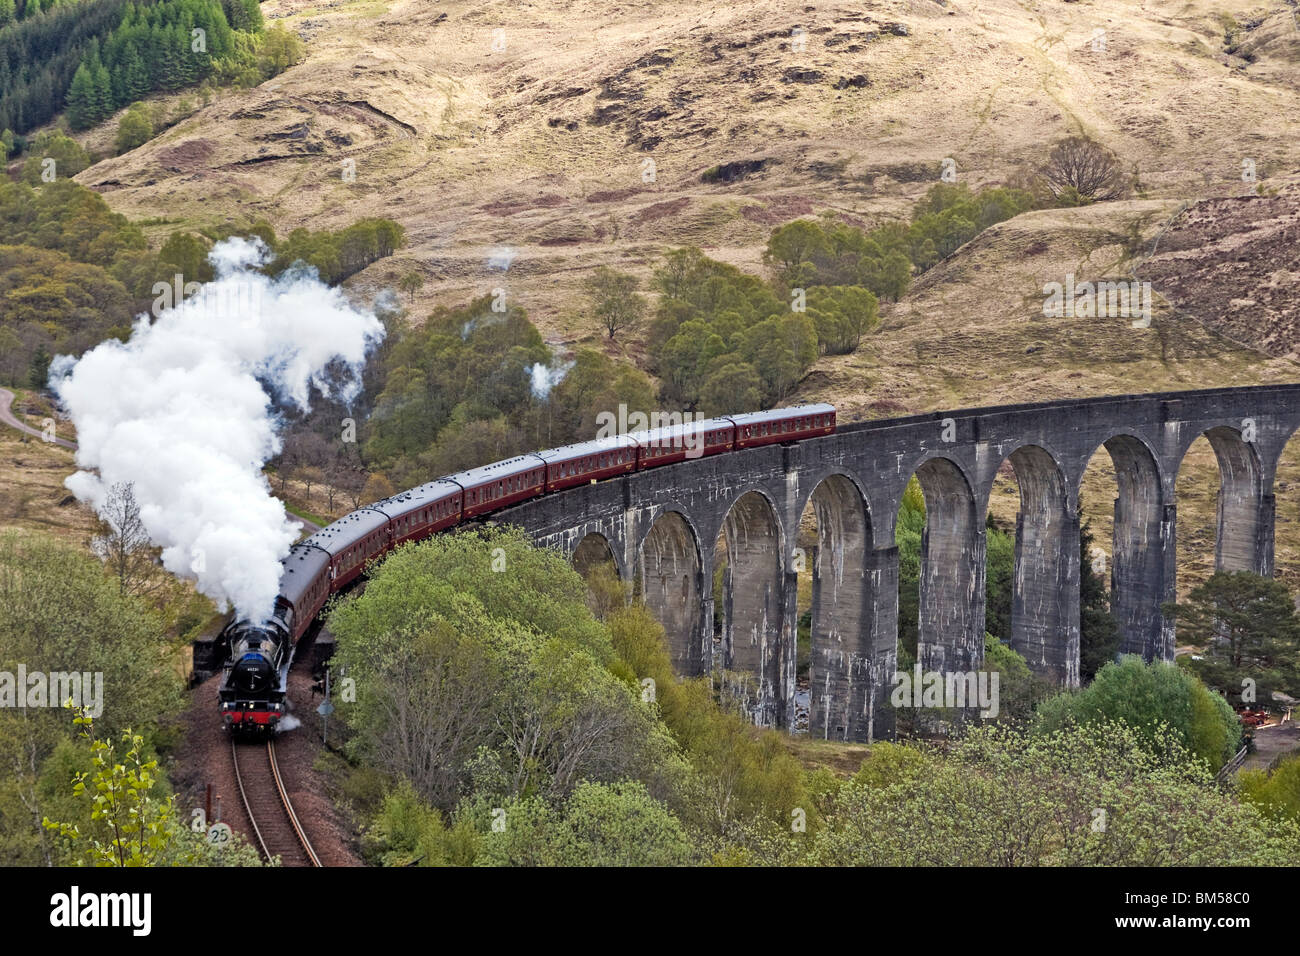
pixel 252 694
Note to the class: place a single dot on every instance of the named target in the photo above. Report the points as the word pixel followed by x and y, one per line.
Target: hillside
pixel 521 146
pixel 541 146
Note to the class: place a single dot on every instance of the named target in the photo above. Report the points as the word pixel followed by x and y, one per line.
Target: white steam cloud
pixel 542 379
pixel 181 412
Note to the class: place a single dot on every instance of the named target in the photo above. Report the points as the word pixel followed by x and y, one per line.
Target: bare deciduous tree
pixel 1081 170
pixel 124 544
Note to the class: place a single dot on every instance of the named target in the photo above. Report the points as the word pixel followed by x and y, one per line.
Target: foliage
pixel 1098 629
pixel 128 818
pixel 1250 631
pixel 60 613
pixel 463 364
pixel 338 255
pixel 712 319
pixel 78 273
pixel 135 128
pixel 411 283
pixel 1019 689
pixel 614 299
pixel 1154 699
pixel 97 56
pixel 739 773
pixel 457 392
pixel 1095 796
pixel 451 658
pixel 123 543
pixel 1276 792
pixel 277 50
pixel 69 158
pixel 408 832
pixel 617 824
pixel 825 252
pixel 40 55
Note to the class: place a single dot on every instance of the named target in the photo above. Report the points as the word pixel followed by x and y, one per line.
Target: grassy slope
pixel 540 148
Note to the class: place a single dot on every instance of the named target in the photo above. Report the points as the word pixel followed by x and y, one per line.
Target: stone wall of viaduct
pixel 661 528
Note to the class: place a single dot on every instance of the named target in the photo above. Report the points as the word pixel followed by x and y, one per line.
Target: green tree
pixel 1097 795
pixel 492 640
pixel 134 128
pixel 68 157
pixel 617 824
pixel 186 254
pixel 411 283
pixel 39 371
pixel 103 86
pixel 1250 632
pixel 1149 697
pixel 730 388
pixel 278 50
pixel 60 613
pixel 1275 792
pixel 793 249
pixel 131 819
pixel 842 315
pixel 82 105
pixel 614 299
pixel 1098 630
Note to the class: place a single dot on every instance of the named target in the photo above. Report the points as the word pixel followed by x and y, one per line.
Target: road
pixel 8 417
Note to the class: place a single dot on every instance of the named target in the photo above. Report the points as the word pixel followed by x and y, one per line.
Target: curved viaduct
pixel 661 528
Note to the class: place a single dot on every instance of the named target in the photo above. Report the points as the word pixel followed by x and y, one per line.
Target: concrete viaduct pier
pixel 661 527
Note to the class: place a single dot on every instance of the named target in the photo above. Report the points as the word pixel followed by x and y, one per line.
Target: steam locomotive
pixel 252 693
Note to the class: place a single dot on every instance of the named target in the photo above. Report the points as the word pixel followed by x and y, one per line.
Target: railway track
pixel 270 811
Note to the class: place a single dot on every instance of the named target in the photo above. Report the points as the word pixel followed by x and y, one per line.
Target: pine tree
pixel 81 100
pixel 7 12
pixel 104 104
pixel 236 15
pixel 170 50
pixel 136 82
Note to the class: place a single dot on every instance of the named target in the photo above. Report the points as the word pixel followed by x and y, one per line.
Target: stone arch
pixel 594 549
pixel 753 611
pixel 671 583
pixel 1045 588
pixel 840 598
pixel 1237 545
pixel 951 612
pixel 1141 569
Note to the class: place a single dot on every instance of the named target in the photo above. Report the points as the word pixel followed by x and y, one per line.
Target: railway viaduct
pixel 660 527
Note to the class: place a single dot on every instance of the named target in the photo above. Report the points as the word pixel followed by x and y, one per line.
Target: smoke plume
pixel 182 412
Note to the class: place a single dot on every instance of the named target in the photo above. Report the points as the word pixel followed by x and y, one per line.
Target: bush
pixel 135 128
pixel 616 824
pixel 1149 697
pixel 1097 795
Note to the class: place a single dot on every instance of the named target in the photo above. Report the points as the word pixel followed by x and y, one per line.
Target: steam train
pixel 252 693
